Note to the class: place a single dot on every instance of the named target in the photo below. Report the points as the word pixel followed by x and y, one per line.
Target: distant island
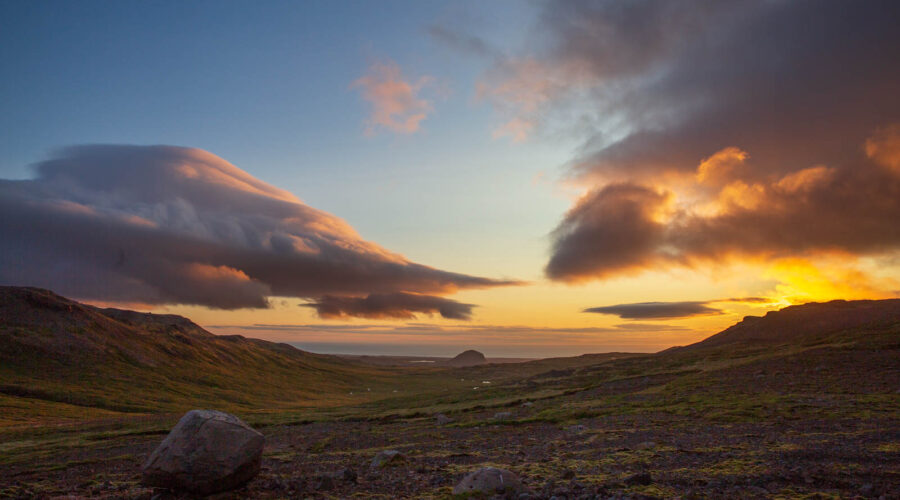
pixel 467 358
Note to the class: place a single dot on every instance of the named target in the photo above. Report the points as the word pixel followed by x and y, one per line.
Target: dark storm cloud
pixel 792 106
pixel 390 305
pixel 610 230
pixel 657 310
pixel 162 224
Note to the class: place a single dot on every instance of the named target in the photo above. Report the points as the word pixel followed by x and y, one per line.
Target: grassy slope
pixel 62 359
pixel 847 351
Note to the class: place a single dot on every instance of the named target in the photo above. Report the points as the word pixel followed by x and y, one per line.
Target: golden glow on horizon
pixel 541 313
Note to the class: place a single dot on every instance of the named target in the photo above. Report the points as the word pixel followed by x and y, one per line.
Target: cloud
pixel 396 104
pixel 715 131
pixel 465 43
pixel 164 224
pixel 670 310
pixel 626 228
pixel 657 310
pixel 613 229
pixel 390 305
pixel 744 300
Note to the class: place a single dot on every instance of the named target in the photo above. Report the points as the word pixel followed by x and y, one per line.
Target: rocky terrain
pixel 802 403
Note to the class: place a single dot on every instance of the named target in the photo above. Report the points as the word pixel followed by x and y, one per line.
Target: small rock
pixel 576 429
pixel 548 488
pixel 349 475
pixel 325 483
pixel 296 484
pixel 761 492
pixel 207 452
pixel 490 480
pixel 503 415
pixel 527 404
pixel 387 457
pixel 641 479
pixel 442 419
pixel 646 445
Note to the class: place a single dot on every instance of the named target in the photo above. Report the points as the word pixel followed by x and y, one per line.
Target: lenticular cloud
pixel 163 224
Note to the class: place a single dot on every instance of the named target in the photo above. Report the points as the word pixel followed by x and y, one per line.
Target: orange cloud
pixel 628 227
pixel 884 147
pixel 396 105
pixel 721 165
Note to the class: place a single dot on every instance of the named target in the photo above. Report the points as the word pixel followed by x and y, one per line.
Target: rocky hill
pixel 467 358
pixel 857 320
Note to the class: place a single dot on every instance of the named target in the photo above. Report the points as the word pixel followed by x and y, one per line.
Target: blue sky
pixel 268 88
pixel 684 153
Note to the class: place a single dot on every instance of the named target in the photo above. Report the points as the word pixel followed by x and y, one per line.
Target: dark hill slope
pixel 467 358
pixel 840 346
pixel 838 320
pixel 55 349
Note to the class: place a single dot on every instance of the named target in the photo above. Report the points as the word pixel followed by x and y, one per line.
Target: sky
pixel 527 179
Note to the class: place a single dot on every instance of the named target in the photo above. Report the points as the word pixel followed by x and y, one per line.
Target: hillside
pixel 53 349
pixel 838 320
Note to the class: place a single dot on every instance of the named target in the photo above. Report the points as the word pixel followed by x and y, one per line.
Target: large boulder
pixel 207 452
pixel 489 481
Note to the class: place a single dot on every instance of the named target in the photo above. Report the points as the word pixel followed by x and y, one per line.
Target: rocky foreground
pixel 651 455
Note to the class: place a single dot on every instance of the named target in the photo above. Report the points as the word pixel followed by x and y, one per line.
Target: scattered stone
pixel 349 475
pixel 207 452
pixel 442 419
pixel 758 491
pixel 297 484
pixel 325 483
pixel 387 457
pixel 576 429
pixel 527 404
pixel 641 479
pixel 503 415
pixel 548 488
pixel 490 480
pixel 646 445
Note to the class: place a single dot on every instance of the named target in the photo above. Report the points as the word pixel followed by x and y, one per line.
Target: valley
pixel 801 403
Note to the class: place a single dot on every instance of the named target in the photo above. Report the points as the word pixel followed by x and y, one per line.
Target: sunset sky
pixel 527 179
